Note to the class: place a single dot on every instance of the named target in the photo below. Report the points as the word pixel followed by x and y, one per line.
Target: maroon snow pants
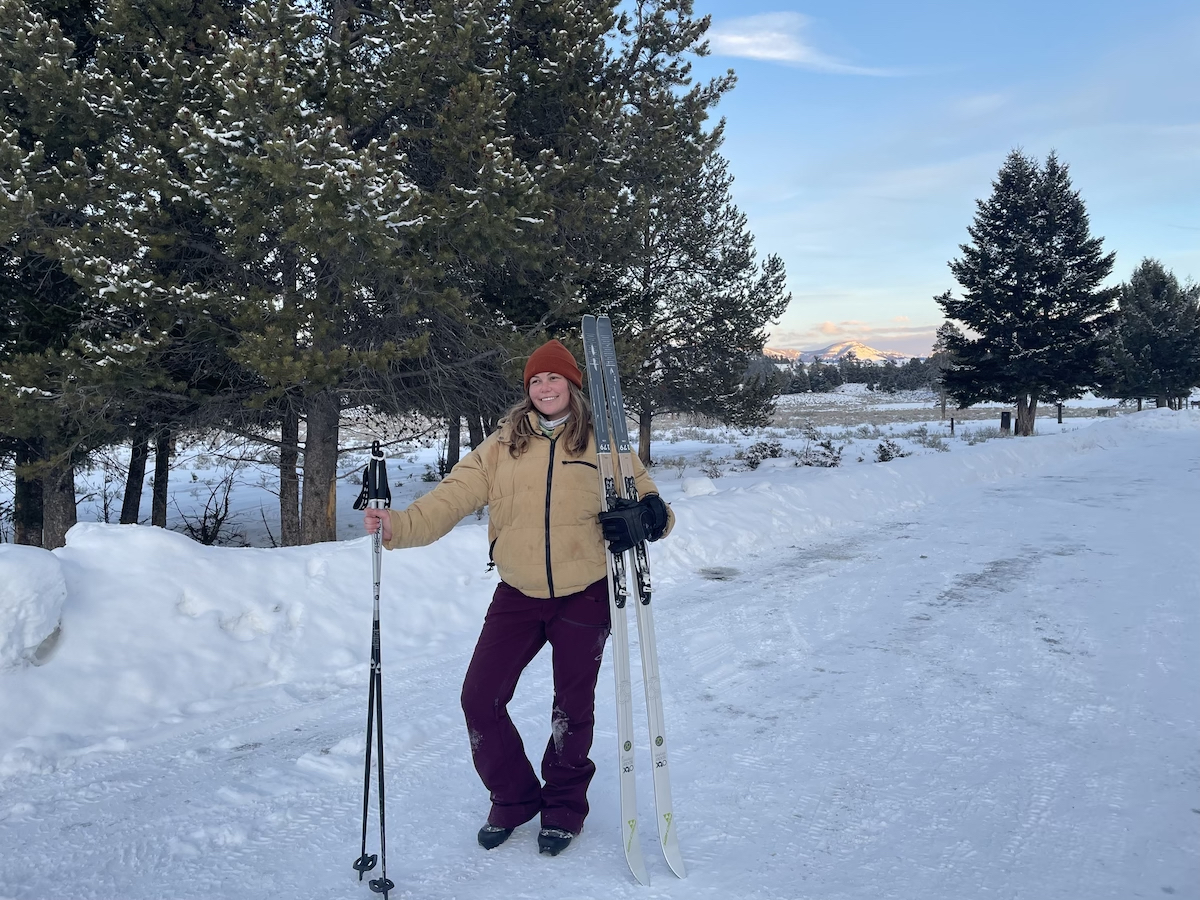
pixel 515 629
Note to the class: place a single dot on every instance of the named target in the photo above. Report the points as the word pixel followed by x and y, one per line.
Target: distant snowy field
pixel 965 672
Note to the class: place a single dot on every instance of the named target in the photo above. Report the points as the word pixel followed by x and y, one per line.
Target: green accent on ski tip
pixel 632 823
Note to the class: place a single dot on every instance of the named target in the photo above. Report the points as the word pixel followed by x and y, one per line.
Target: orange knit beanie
pixel 552 356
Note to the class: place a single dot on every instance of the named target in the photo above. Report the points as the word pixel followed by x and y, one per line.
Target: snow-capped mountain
pixel 834 352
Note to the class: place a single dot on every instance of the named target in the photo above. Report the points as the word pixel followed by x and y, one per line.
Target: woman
pixel 538 476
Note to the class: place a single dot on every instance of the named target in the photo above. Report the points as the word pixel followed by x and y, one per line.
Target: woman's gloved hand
pixel 630 522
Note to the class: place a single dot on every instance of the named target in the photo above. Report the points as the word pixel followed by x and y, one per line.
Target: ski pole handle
pixel 379 494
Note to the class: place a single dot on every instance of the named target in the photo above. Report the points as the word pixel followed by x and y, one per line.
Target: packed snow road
pixel 988 691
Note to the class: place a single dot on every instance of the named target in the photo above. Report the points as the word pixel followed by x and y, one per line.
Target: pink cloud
pixel 897 335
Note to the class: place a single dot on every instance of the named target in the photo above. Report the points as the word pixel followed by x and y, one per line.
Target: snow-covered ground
pixel 957 674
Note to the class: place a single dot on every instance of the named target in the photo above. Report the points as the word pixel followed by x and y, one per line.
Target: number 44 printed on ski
pixel 615 459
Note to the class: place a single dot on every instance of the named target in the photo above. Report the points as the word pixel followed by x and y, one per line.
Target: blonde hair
pixel 576 432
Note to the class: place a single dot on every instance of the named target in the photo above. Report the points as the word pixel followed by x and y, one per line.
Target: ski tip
pixel 638 869
pixel 633 854
pixel 676 865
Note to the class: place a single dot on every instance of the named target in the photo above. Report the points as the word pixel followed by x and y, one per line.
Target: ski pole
pixel 376 495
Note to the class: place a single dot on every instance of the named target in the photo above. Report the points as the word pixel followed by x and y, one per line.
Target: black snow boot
pixel 554 840
pixel 492 836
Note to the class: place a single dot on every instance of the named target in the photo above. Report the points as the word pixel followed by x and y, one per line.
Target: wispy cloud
pixel 980 105
pixel 778 37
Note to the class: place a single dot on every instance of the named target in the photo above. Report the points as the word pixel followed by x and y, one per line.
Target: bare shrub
pixel 708 466
pixel 979 435
pixel 678 463
pixel 215 524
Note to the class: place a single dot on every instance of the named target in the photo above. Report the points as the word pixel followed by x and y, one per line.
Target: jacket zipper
pixel 549 482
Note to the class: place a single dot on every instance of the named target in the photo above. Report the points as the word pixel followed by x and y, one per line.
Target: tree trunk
pixel 131 503
pixel 645 417
pixel 475 429
pixel 1026 413
pixel 319 511
pixel 453 440
pixel 58 506
pixel 289 436
pixel 162 477
pixel 27 498
pixel 1139 404
pixel 289 479
pixel 1160 401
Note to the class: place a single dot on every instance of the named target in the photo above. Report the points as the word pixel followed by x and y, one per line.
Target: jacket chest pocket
pixel 580 480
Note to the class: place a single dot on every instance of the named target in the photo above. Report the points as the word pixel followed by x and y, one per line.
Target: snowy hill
pixel 834 352
pixel 961 674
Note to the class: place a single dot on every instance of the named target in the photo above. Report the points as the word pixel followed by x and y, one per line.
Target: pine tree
pixel 52 330
pixel 163 264
pixel 564 119
pixel 688 295
pixel 1154 348
pixel 358 170
pixel 128 355
pixel 856 371
pixel 798 383
pixel 493 248
pixel 943 358
pixel 301 214
pixel 823 377
pixel 1031 281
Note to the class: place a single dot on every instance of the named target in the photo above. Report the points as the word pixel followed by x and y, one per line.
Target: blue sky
pixel 861 133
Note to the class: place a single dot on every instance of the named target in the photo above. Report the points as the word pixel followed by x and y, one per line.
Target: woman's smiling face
pixel 550 393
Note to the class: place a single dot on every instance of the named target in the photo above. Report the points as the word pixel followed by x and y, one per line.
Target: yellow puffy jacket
pixel 545 538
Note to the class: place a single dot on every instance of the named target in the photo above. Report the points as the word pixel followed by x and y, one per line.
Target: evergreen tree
pixel 357 169
pixel 563 118
pixel 52 331
pixel 943 358
pixel 128 355
pixel 689 297
pixel 887 377
pixel 1031 281
pixel 823 377
pixel 918 375
pixel 1154 348
pixel 856 371
pixel 798 381
pixel 164 264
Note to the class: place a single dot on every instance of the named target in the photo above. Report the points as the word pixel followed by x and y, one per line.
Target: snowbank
pixel 32 591
pixel 157 628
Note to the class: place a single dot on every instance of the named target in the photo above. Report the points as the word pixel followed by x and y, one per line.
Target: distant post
pixel 1060 413
pixel 952 426
pixel 1006 422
